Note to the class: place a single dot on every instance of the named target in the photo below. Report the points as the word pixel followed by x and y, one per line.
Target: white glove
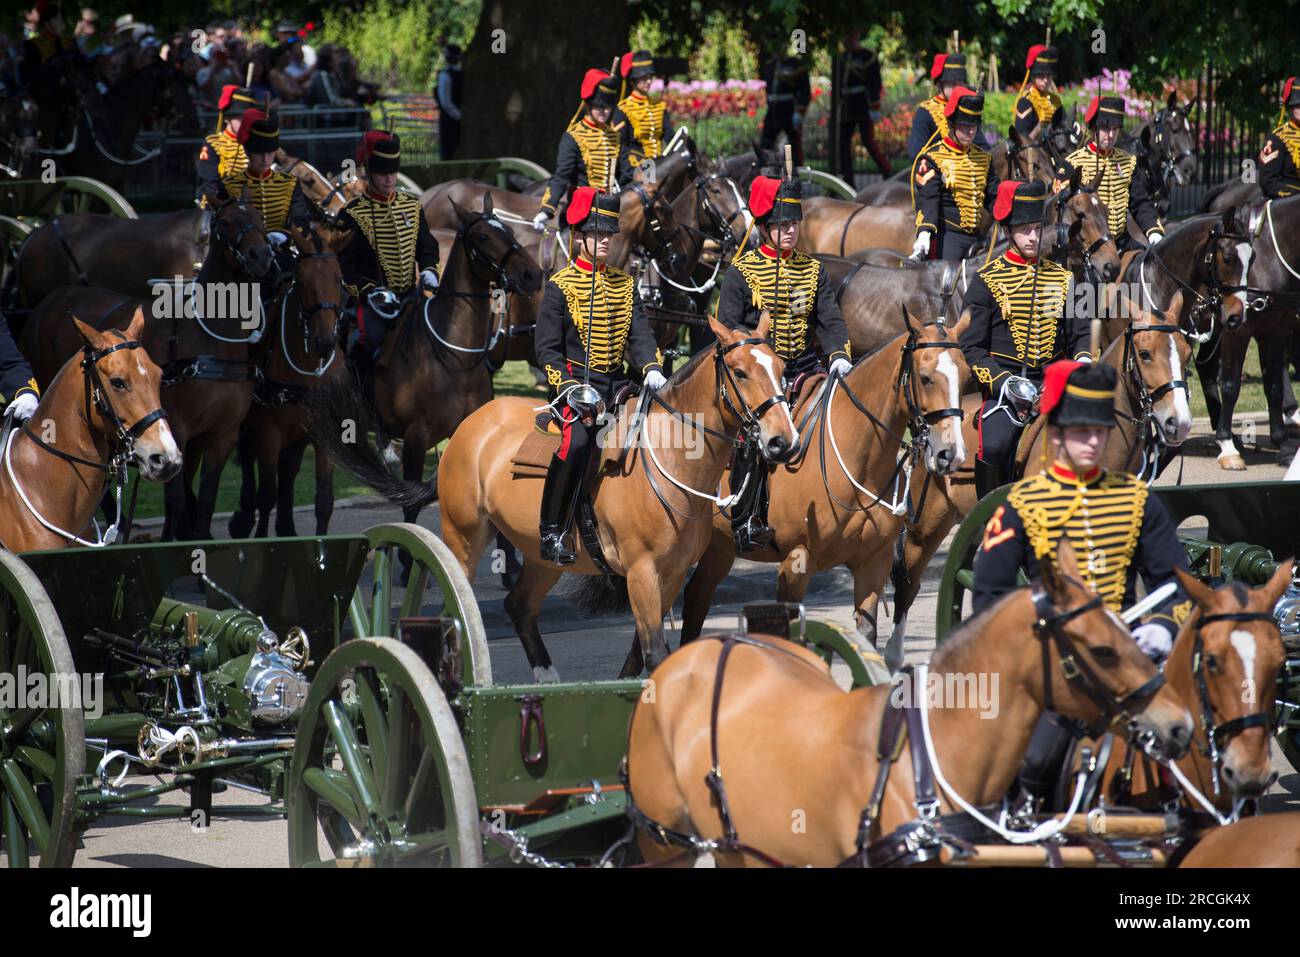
pixel 841 367
pixel 1154 237
pixel 540 220
pixel 921 248
pixel 1085 357
pixel 429 279
pixel 277 237
pixel 1154 640
pixel 654 380
pixel 22 407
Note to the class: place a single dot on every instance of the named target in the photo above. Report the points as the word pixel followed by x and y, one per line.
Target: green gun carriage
pixel 303 669
pixel 1250 527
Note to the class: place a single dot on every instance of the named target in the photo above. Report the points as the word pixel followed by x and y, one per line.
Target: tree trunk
pixel 519 99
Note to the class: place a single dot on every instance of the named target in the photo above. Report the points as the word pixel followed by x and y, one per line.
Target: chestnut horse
pixel 654 506
pixel 1267 840
pixel 833 507
pixel 207 378
pixel 101 411
pixel 790 745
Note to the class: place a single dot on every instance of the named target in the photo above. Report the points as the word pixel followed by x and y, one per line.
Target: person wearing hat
pixel 1023 317
pixel 1279 160
pixel 951 184
pixel 392 254
pixel 1038 100
pixel 450 93
pixel 645 125
pixel 794 289
pixel 862 89
pixel 1121 190
pixel 1119 531
pixel 930 123
pixel 788 96
pixel 590 326
pixel 222 152
pixel 588 147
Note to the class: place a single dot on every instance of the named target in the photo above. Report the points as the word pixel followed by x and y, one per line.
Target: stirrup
pixel 753 534
pixel 555 551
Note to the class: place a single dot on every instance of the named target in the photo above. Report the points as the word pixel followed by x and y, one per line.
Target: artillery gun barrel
pixel 223 634
pixel 1245 562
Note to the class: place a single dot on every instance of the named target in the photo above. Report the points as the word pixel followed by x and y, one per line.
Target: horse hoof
pixel 240 525
pixel 546 676
pixel 1232 463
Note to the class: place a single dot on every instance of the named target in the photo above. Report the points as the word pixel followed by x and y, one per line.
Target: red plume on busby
pixel 936 69
pixel 580 205
pixel 250 117
pixel 625 64
pixel 762 195
pixel 1055 377
pixel 1006 196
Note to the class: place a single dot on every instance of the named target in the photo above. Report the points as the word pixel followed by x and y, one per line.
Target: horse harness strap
pixel 72 258
pixel 844 233
pixel 210 369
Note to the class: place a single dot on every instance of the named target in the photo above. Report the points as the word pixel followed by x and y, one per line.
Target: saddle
pixel 533 457
pixel 801 391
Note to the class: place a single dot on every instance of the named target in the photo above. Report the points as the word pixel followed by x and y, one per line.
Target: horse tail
pixel 602 595
pixel 340 421
pixel 898 573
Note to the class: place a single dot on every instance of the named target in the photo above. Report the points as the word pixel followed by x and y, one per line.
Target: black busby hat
pixel 1105 111
pixel 1019 203
pixel 637 64
pixel 381 152
pixel 949 68
pixel 964 106
pixel 1291 93
pixel 1078 393
pixel 599 88
pixel 592 211
pixel 262 135
pixel 1041 60
pixel 774 201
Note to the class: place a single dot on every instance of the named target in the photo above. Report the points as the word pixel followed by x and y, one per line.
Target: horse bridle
pixel 1258 299
pixel 1050 626
pixel 1062 199
pixel 232 246
pixel 305 312
pixel 1215 734
pixel 727 235
pixel 1146 399
pixel 663 243
pixel 1169 160
pixel 748 417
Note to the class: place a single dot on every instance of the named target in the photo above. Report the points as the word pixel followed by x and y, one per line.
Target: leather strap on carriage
pixel 210 369
pixel 63 241
pixel 271 394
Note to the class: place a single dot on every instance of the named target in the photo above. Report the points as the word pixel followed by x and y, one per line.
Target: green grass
pixel 514 378
pixel 1252 389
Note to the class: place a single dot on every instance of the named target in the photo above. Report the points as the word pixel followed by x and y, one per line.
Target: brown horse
pixel 790 745
pixel 653 506
pixel 326 196
pixel 299 351
pixel 199 335
pixel 1268 840
pixel 1223 667
pixel 830 508
pixel 101 411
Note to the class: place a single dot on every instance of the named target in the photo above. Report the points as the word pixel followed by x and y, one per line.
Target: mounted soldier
pixel 788 96
pixel 590 325
pixel 644 124
pixel 794 289
pixel 1119 188
pixel 930 124
pixel 222 152
pixel 17 381
pixel 1019 324
pixel 951 183
pixel 1279 160
pixel 1117 528
pixel 862 90
pixel 589 148
pixel 1038 100
pixel 391 256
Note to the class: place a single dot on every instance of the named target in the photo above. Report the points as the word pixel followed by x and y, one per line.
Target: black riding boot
pixel 1049 747
pixel 557 494
pixel 988 476
pixel 749 515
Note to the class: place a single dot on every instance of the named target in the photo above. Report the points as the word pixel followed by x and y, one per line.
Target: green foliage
pixel 398 43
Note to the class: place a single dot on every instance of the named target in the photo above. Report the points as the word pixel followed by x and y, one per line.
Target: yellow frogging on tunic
pixel 788 289
pixel 647 119
pixel 965 173
pixel 1290 137
pixel 231 157
pixel 271 194
pixel 1032 314
pixel 1116 179
pixel 608 305
pixel 598 147
pixel 1102 523
pixel 1045 104
pixel 391 228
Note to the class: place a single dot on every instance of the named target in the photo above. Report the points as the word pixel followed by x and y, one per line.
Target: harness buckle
pixel 1069 667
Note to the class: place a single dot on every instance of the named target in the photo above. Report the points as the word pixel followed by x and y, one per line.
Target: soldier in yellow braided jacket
pixel 951 184
pixel 589 147
pixel 644 124
pixel 222 152
pixel 1279 160
pixel 1039 100
pixel 1119 531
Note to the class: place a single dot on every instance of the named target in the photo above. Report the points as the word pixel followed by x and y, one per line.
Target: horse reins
pixel 1146 399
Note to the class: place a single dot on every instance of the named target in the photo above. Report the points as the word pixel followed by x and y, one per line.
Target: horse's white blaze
pixel 1243 253
pixel 1243 643
pixel 766 362
pixel 948 369
pixel 1094 201
pixel 1226 448
pixel 167 440
pixel 1182 413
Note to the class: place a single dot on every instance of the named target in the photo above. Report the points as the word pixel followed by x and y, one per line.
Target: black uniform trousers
pixel 951 244
pixel 867 130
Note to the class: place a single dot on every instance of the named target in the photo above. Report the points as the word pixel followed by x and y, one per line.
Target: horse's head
pixel 125 406
pixel 318 278
pixel 1172 142
pixel 238 228
pixel 652 226
pixel 726 216
pixel 1087 229
pixel 932 378
pixel 1063 135
pixel 1108 674
pixel 750 390
pixel 1028 159
pixel 174 101
pixel 1157 358
pixel 494 253
pixel 1225 664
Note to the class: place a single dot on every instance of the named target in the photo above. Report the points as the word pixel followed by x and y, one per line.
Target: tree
pixel 524 68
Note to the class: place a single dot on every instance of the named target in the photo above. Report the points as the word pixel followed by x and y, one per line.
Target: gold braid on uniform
pixel 231 157
pixel 788 288
pixel 965 173
pixel 1044 104
pixel 1032 331
pixel 604 339
pixel 598 147
pixel 1116 177
pixel 271 194
pixel 1102 523
pixel 1290 137
pixel 647 119
pixel 935 107
pixel 391 229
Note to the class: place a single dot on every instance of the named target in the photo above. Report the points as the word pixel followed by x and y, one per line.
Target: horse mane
pixel 959 640
pixel 681 375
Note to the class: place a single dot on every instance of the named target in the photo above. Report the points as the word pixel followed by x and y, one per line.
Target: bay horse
pixel 207 377
pixel 1223 667
pixel 653 505
pixel 840 502
pixel 790 745
pixel 1165 147
pixel 299 351
pixel 1266 840
pixel 101 410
